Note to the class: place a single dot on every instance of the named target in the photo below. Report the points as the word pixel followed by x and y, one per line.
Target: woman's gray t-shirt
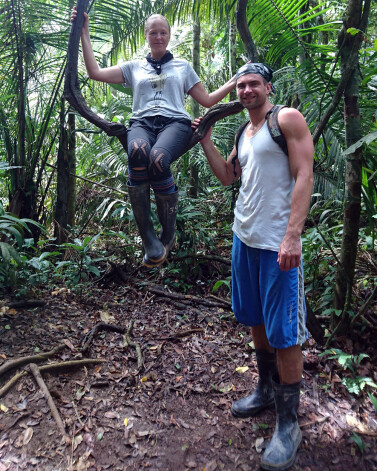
pixel 162 94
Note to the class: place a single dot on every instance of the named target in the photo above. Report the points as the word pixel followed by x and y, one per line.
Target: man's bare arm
pixel 301 154
pixel 224 170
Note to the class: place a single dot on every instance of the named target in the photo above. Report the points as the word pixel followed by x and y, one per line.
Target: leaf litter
pixel 173 413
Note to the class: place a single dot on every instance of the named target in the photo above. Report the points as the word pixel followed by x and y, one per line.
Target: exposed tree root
pixel 11 382
pixel 101 326
pixel 29 359
pixel 28 303
pixel 127 342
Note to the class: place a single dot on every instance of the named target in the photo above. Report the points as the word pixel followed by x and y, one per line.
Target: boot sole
pixel 150 263
pixel 243 415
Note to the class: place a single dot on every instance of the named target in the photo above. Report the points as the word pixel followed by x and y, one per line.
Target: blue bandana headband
pixel 255 68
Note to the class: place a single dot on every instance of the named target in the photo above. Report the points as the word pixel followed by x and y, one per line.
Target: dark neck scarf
pixel 168 56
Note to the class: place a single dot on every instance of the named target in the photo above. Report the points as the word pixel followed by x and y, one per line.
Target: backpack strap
pixel 274 128
pixel 235 157
pixel 237 139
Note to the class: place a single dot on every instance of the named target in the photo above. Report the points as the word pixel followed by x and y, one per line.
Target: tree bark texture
pixel 72 91
pixel 61 209
pixel 17 199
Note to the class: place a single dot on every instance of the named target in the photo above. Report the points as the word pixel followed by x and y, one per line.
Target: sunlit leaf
pixel 242 369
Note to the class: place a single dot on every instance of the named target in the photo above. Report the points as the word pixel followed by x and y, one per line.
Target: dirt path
pixel 173 414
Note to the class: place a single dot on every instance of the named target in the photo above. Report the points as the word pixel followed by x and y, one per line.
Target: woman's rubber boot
pixel 155 253
pixel 167 207
pixel 263 395
pixel 281 452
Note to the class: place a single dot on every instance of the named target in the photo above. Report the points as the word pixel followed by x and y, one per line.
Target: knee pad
pixel 138 152
pixel 159 164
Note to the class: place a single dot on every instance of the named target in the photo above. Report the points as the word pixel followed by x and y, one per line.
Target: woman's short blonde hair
pixel 155 16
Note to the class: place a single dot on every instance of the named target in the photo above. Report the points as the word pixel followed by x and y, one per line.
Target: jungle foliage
pixel 303 41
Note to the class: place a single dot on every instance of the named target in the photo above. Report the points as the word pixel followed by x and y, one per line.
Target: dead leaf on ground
pixel 28 434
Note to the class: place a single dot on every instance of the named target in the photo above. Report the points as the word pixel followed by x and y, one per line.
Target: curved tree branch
pixel 243 29
pixel 344 79
pixel 214 114
pixel 72 91
pixel 74 97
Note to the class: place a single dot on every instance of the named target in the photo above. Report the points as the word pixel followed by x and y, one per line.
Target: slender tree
pixel 195 109
pixel 232 54
pixel 349 42
pixel 65 181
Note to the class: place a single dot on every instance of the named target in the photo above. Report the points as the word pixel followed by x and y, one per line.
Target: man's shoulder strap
pixel 240 130
pixel 274 128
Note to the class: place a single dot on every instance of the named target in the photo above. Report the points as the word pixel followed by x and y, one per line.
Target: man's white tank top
pixel 264 202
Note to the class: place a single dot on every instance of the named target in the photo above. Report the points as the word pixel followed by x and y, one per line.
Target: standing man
pixel 267 272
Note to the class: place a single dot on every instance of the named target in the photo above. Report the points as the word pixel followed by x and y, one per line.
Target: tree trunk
pixel 232 55
pixel 65 185
pixel 194 173
pixel 71 204
pixel 356 17
pixel 244 31
pixel 17 197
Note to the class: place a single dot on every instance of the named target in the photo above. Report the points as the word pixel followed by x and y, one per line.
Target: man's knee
pixel 290 364
pixel 260 339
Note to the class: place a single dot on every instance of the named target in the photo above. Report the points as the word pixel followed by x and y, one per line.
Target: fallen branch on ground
pixel 127 342
pixel 51 367
pixel 186 298
pixel 54 411
pixel 181 335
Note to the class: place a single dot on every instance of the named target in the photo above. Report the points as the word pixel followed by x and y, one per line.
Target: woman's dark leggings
pixel 153 144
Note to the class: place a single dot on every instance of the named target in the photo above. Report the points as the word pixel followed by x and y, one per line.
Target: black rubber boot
pixel 281 451
pixel 167 206
pixel 263 396
pixel 155 252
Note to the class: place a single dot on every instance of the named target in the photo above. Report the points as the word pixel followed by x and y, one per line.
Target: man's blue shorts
pixel 264 294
